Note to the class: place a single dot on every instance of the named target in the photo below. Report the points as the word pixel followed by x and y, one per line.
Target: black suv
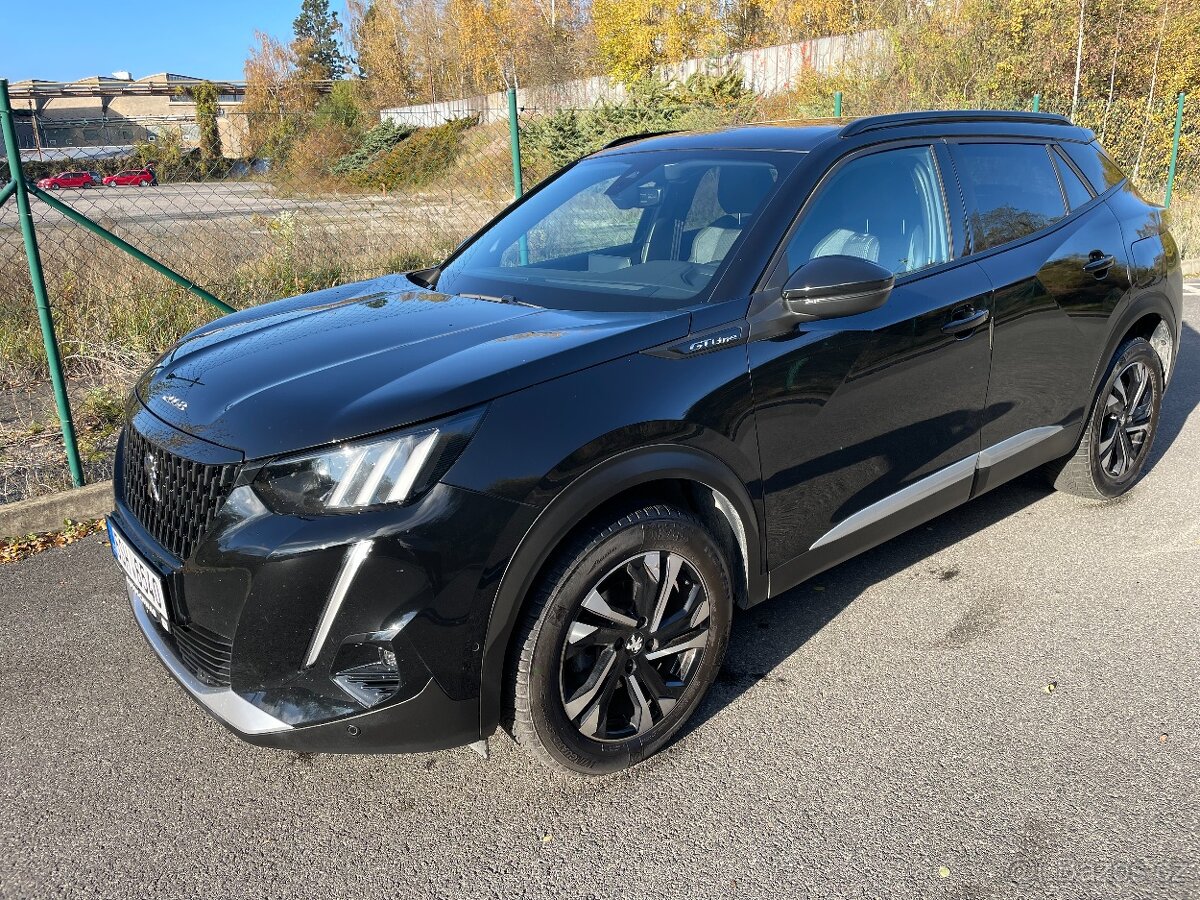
pixel 529 486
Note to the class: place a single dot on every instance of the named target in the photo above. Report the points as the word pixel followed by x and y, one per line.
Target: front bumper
pixel 257 594
pixel 428 721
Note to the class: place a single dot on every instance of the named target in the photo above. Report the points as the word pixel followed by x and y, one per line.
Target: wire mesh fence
pixel 322 204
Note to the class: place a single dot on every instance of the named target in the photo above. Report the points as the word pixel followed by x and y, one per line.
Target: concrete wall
pixel 768 70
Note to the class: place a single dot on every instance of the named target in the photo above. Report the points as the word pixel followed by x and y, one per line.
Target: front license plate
pixel 142 581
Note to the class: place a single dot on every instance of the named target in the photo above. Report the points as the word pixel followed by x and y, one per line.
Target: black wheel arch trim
pixel 570 507
pixel 1146 304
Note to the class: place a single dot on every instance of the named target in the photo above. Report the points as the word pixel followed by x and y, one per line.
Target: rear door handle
pixel 966 323
pixel 1098 262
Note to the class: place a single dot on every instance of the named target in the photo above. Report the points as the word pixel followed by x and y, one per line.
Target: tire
pixel 1117 439
pixel 142 184
pixel 592 694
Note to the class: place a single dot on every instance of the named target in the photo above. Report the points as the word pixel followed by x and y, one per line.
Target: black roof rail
pixel 948 116
pixel 630 138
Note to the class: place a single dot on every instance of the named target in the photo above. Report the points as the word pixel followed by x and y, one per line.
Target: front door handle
pixel 966 323
pixel 1099 262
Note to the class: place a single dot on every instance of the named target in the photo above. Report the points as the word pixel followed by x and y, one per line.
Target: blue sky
pixel 143 38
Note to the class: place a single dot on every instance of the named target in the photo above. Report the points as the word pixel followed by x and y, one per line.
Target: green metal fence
pixel 95 281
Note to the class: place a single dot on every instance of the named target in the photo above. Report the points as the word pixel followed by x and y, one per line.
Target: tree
pixel 318 49
pixel 633 36
pixel 206 96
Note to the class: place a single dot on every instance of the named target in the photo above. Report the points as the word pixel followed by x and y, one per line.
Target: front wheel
pixel 623 638
pixel 1116 441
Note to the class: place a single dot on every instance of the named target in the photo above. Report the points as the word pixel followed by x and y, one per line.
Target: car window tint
pixel 1077 192
pixel 1096 165
pixel 643 230
pixel 886 207
pixel 1014 187
pixel 589 222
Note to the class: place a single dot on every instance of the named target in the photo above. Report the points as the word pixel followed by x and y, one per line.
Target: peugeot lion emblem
pixel 150 465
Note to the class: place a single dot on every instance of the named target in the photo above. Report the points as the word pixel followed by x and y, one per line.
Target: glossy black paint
pixel 775 430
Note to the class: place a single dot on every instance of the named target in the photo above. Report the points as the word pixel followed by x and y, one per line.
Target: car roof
pixel 804 135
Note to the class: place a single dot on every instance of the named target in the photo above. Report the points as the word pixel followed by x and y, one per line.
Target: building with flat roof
pixel 106 115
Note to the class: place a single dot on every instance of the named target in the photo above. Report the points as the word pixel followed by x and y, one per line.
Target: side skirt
pixel 923 500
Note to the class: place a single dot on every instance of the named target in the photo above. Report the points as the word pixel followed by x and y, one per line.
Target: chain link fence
pixel 322 204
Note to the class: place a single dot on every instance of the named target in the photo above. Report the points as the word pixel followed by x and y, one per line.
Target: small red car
pixel 66 180
pixel 136 177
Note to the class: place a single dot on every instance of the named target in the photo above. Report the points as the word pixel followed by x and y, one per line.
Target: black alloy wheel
pixel 1117 437
pixel 623 637
pixel 634 645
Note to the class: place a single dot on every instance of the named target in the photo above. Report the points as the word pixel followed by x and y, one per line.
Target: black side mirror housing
pixel 829 287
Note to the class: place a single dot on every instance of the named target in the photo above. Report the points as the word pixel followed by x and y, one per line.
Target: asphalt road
pixel 870 728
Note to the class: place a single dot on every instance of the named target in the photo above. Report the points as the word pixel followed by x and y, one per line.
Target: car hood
pixel 362 358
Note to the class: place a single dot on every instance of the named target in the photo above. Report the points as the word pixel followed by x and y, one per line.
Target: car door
pixel 1056 261
pixel 870 423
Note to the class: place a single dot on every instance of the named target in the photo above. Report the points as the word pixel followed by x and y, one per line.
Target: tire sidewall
pixel 555 731
pixel 1137 350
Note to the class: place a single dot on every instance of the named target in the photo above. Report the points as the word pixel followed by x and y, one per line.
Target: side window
pixel 1014 188
pixel 1077 192
pixel 886 207
pixel 1096 165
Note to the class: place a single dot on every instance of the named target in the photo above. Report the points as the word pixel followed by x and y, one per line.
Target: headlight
pixel 395 468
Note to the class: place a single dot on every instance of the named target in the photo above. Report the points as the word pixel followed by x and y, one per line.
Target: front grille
pixel 205 652
pixel 189 493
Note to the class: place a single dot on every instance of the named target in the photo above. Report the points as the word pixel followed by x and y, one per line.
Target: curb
pixel 49 513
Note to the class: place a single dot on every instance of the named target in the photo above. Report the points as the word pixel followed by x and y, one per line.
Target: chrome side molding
pixel 938 481
pixel 1015 444
pixel 890 505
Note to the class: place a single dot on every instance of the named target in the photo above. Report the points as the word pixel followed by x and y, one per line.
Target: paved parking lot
pixel 1003 703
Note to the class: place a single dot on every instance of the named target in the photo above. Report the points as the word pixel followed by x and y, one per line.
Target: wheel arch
pixel 653 473
pixel 1152 316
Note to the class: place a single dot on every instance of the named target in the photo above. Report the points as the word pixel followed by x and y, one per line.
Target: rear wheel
pixel 621 641
pixel 1116 442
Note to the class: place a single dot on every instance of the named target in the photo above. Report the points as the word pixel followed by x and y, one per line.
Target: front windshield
pixel 635 231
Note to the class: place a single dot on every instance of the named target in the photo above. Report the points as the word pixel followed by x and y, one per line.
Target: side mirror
pixel 831 286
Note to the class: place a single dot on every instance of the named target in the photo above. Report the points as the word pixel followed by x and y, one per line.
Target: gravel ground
pixel 888 730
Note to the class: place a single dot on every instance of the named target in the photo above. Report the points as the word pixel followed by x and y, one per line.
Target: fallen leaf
pixel 1051 687
pixel 547 838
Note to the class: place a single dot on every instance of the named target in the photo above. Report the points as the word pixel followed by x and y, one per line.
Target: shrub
pixel 380 139
pixel 417 160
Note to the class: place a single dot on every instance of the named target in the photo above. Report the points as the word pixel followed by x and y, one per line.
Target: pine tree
pixel 317 45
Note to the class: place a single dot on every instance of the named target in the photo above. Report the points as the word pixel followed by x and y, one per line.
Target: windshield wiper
pixel 503 298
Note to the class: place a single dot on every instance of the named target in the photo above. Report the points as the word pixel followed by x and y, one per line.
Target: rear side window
pixel 1096 165
pixel 1014 188
pixel 1077 192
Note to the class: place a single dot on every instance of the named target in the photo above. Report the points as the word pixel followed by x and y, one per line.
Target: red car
pixel 66 180
pixel 136 177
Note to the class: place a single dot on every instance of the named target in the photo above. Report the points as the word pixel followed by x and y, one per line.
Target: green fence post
pixel 837 104
pixel 1174 149
pixel 514 138
pixel 1037 102
pixel 38 282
